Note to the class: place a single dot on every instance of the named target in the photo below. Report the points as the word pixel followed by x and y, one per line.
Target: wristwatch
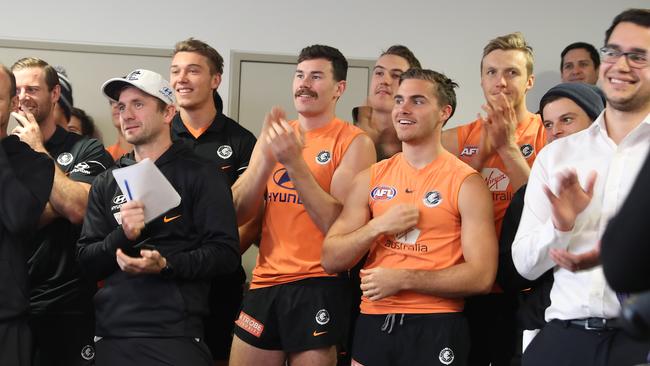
pixel 167 271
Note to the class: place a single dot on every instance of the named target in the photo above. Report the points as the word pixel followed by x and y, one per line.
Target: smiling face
pixel 384 82
pixel 417 112
pixel 190 77
pixel 314 87
pixel 626 88
pixel 505 72
pixel 577 66
pixel 33 92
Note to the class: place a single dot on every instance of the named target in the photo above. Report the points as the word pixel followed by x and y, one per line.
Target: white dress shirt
pixel 585 293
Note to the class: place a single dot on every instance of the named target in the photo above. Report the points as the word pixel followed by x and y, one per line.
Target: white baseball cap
pixel 148 81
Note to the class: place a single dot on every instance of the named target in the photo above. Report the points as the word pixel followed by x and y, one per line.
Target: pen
pixel 128 190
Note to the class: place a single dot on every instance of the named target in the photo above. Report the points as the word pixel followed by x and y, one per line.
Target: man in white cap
pixel 156 278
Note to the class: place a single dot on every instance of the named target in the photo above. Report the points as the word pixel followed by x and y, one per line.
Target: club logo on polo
pixel 322 317
pixel 383 193
pixel 64 158
pixel 88 352
pixel 224 151
pixel 432 199
pixel 446 356
pixel 323 157
pixel 526 150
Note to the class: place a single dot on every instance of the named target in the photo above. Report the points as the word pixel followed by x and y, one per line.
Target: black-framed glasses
pixel 637 60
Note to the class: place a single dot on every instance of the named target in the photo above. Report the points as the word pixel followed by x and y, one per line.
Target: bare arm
pixel 68 198
pixel 351 236
pixel 323 207
pixel 474 276
pixel 249 233
pixel 248 190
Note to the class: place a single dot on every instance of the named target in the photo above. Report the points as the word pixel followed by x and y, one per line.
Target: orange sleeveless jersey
pixel 531 138
pixel 437 245
pixel 290 249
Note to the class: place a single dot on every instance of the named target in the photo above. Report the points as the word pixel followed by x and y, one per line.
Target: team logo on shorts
pixel 383 193
pixel 322 317
pixel 432 199
pixel 526 150
pixel 88 352
pixel 323 157
pixel 224 151
pixel 446 356
pixel 64 158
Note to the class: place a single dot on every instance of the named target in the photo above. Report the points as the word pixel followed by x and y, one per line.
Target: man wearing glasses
pixel 575 186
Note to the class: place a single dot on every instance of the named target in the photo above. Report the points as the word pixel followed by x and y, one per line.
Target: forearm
pixel 250 232
pixel 69 198
pixel 96 254
pixel 321 207
pixel 531 248
pixel 461 280
pixel 517 168
pixel 342 251
pixel 210 260
pixel 248 190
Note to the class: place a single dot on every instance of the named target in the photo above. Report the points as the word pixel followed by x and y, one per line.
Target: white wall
pixel 446 36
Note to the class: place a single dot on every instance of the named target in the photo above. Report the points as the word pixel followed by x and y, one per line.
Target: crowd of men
pixel 384 242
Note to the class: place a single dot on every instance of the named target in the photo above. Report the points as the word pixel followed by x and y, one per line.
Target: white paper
pixel 147 184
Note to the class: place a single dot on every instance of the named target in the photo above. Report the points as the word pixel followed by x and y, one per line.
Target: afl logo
pixel 281 178
pixel 118 200
pixel 383 193
pixel 64 158
pixel 526 150
pixel 224 151
pixel 323 157
pixel 432 199
pixel 322 317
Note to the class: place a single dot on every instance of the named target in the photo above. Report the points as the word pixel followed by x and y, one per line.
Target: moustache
pixel 307 92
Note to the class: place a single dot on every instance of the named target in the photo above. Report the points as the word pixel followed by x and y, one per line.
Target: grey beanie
pixel 65 100
pixel 586 96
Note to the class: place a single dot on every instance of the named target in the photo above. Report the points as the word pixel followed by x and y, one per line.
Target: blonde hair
pixel 513 41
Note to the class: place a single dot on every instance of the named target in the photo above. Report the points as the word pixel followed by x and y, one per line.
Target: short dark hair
pixel 333 55
pixel 12 80
pixel 87 123
pixel 51 76
pixel 215 61
pixel 405 53
pixel 593 53
pixel 442 85
pixel 640 17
